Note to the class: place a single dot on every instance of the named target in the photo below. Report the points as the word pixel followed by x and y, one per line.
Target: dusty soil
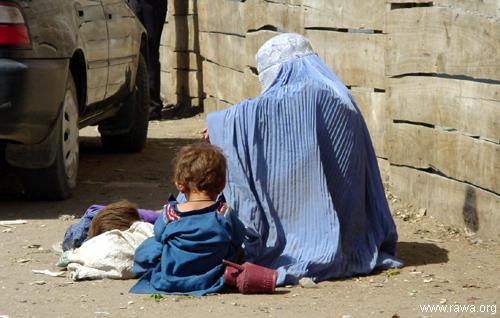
pixel 442 266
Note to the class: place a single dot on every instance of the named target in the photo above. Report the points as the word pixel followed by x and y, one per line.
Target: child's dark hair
pixel 201 167
pixel 119 215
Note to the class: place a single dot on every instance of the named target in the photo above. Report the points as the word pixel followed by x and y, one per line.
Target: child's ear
pixel 180 187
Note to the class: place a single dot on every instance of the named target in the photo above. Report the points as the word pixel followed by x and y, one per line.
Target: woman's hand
pixel 205 135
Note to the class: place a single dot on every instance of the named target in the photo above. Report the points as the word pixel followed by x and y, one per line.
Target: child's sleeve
pixel 238 229
pixel 76 234
pixel 147 256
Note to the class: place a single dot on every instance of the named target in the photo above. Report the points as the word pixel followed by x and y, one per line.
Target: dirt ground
pixel 441 266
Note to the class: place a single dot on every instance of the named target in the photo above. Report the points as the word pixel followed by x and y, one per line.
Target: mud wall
pixel 425 74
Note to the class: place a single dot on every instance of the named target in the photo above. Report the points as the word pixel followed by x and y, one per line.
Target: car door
pixel 94 39
pixel 124 46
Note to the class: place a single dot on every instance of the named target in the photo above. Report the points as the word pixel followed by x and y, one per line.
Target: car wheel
pixel 134 114
pixel 56 181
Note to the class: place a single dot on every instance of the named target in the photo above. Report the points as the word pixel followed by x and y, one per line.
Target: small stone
pixel 443 301
pixel 307 282
pixel 130 302
pixel 472 299
pixel 476 241
pixel 433 240
pixel 34 246
pixel 38 282
pixel 66 217
pixel 393 272
pixel 428 280
pixel 24 260
pixel 7 231
pixel 234 304
pixel 421 213
pixel 470 286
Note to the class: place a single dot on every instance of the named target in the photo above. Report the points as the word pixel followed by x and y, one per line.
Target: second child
pixel 192 238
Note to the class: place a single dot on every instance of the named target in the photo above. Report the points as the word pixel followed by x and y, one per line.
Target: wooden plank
pixel 182 33
pixel 182 7
pixel 179 60
pixel 210 14
pixel 254 40
pixel 182 82
pixel 450 202
pixel 165 54
pixel 485 7
pixel 374 110
pixel 348 14
pixel 222 82
pixel 252 87
pixel 169 95
pixel 212 104
pixel 223 49
pixel 457 156
pixel 167 89
pixel 442 40
pixel 189 102
pixel 283 16
pixel 165 34
pixel 384 167
pixel 358 59
pixel 467 106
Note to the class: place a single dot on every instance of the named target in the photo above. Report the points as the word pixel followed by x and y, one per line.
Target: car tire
pixel 134 114
pixel 56 181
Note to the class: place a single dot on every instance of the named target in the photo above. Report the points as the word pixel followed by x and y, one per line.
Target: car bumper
pixel 31 93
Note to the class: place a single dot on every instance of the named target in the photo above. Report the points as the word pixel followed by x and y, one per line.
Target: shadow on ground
pixel 417 254
pixel 104 177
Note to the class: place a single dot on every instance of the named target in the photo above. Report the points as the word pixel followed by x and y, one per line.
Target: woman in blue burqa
pixel 302 172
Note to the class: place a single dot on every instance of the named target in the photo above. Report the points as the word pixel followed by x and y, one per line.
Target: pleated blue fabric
pixel 304 179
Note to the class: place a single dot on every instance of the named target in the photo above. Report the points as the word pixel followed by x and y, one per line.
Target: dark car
pixel 66 64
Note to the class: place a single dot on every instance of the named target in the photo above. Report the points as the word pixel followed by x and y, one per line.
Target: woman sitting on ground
pixel 302 172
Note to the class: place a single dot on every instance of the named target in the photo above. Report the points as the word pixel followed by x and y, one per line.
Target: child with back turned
pixel 192 238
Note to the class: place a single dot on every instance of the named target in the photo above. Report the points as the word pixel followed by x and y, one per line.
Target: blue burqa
pixel 304 179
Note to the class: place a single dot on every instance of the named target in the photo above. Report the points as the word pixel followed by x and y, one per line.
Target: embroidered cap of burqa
pixel 302 172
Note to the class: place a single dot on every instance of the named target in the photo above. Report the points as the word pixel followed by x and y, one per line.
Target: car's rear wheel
pixel 127 130
pixel 56 181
